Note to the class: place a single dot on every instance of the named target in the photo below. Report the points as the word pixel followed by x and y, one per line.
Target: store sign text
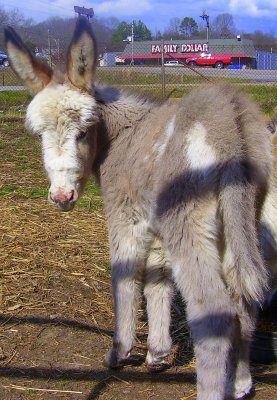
pixel 184 48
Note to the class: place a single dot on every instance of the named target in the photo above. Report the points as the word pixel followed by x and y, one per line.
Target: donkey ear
pixel 33 72
pixel 82 56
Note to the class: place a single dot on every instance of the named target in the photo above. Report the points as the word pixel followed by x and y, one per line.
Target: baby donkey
pixel 192 175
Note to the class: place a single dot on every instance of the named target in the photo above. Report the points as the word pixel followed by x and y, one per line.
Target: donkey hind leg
pixel 128 254
pixel 210 310
pixel 158 292
pixel 211 317
pixel 239 381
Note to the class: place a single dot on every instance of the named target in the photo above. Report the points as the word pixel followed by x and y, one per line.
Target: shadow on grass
pixel 38 320
pixel 102 377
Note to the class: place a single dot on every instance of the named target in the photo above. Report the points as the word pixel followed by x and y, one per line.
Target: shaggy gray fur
pixel 205 218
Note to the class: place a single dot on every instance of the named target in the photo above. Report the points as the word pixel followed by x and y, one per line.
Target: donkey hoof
pixel 156 367
pixel 245 395
pixel 243 388
pixel 112 360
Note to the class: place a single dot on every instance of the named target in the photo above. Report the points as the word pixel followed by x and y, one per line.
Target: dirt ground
pixel 56 317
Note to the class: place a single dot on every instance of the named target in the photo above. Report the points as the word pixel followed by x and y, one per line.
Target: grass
pixel 22 193
pixel 13 103
pixel 92 198
pixel 13 98
pixel 265 96
pixel 9 78
pixel 130 77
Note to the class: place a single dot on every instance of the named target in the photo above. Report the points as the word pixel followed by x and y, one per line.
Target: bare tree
pixel 4 18
pixel 172 31
pixel 223 26
pixel 263 41
pixel 13 18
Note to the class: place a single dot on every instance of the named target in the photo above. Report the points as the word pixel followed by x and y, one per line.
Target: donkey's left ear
pixel 82 56
pixel 34 73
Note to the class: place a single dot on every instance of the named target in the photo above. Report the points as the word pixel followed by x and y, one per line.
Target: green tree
pixel 121 33
pixel 188 27
pixel 124 31
pixel 141 31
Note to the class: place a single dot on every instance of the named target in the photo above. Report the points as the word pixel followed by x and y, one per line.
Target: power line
pixel 44 6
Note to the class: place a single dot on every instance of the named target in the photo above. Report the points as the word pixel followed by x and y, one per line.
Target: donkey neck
pixel 121 112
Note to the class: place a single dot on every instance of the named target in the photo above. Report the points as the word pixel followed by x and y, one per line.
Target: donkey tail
pixel 244 269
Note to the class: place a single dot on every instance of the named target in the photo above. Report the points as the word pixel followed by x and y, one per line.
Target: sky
pixel 249 15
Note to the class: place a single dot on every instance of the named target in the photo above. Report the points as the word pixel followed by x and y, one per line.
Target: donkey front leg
pixel 125 292
pixel 128 255
pixel 158 292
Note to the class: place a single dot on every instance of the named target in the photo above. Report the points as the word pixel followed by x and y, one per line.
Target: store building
pixel 241 50
pixel 266 60
pixel 108 59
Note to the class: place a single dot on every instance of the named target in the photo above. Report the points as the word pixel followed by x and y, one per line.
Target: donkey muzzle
pixel 64 201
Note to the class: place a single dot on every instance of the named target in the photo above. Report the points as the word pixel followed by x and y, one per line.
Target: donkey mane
pixel 108 94
pixel 121 111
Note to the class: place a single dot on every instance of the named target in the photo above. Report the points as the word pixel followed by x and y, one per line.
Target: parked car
pixel 208 59
pixel 172 63
pixel 4 59
pixel 133 62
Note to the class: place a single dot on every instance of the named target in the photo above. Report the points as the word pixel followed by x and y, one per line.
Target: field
pixel 56 316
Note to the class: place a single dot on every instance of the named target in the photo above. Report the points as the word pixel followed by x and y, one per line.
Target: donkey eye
pixel 81 135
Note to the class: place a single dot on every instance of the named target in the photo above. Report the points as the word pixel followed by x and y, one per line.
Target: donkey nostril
pixel 61 197
pixel 51 198
pixel 71 195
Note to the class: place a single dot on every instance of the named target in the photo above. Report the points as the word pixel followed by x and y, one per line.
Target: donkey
pixel 191 175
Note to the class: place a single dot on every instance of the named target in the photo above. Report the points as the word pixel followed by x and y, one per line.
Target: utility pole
pixel 163 70
pixel 132 61
pixel 49 48
pixel 206 18
pixel 58 49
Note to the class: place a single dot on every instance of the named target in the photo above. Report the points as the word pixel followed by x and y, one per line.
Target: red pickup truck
pixel 206 59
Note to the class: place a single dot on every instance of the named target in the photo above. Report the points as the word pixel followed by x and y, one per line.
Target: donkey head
pixel 63 111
